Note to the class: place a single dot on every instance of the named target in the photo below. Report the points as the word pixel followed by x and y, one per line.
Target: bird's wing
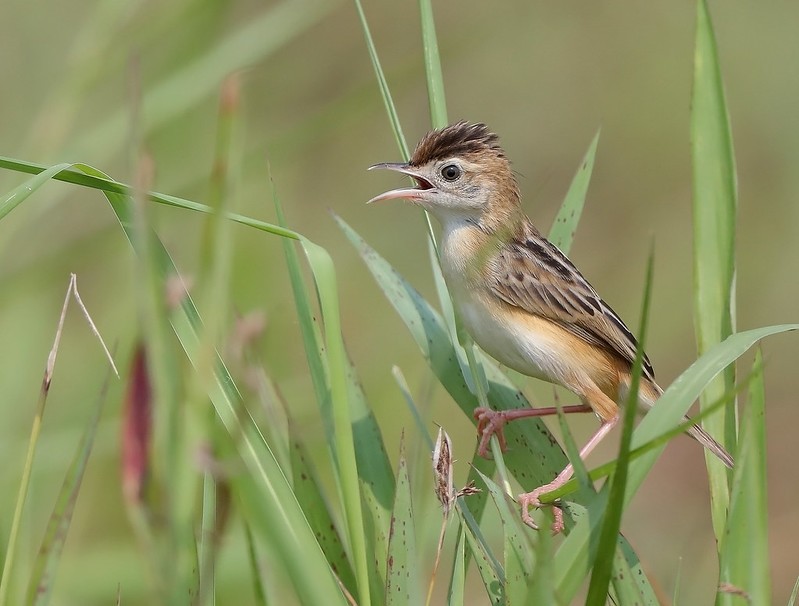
pixel 530 273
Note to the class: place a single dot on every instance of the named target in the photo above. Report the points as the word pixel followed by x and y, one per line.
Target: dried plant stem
pixel 72 290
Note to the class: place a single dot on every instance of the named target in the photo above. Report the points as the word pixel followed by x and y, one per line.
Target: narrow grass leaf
pixel 432 66
pixel 370 462
pixel 307 488
pixel 216 258
pixel 517 547
pixel 542 583
pixel 456 595
pixel 259 589
pixel 561 234
pixel 18 195
pixel 794 593
pixel 402 579
pixel 489 568
pixel 606 549
pixel 714 213
pixel 311 332
pixel 382 83
pixel 744 550
pixel 40 586
pixel 82 174
pixel 338 368
pixel 630 585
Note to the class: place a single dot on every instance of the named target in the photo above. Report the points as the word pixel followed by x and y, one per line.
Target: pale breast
pixel 522 342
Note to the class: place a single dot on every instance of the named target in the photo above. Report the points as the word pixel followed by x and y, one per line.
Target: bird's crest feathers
pixel 459 139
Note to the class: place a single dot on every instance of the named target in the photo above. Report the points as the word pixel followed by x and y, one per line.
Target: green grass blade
pixel 327 290
pixel 382 83
pixel 402 578
pixel 489 568
pixel 518 553
pixel 313 342
pixel 714 214
pixel 18 195
pixel 40 585
pixel 309 493
pixel 216 257
pixel 432 66
pixel 259 589
pixel 608 537
pixel 457 581
pixel 744 551
pixel 81 174
pixel 542 583
pixel 631 587
pixel 564 227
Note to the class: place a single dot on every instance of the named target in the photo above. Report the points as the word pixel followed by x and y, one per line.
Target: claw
pixel 531 499
pixel 489 423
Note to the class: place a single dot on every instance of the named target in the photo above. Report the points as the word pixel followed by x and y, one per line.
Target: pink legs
pixel 490 422
pixel 531 499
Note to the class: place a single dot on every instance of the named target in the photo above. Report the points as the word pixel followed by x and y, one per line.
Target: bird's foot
pixel 531 499
pixel 490 422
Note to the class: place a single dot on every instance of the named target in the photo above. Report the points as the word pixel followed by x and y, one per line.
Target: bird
pixel 520 297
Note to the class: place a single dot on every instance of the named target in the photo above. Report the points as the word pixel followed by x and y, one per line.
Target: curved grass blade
pixel 744 551
pixel 327 292
pixel 714 214
pixel 18 195
pixel 82 174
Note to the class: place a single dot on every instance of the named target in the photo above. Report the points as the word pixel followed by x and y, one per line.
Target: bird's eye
pixel 451 172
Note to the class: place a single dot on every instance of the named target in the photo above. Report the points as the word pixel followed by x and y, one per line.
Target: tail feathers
pixel 705 439
pixel 649 394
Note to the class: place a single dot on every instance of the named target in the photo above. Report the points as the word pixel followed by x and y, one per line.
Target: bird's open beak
pixel 411 193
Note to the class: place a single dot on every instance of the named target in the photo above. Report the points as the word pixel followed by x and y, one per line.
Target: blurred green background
pixel 545 76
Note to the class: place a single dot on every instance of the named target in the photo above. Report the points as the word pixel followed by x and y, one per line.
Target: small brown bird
pixel 518 295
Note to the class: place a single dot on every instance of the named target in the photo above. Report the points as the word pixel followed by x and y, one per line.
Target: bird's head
pixel 461 174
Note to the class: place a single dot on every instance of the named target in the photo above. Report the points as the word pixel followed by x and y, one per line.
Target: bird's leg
pixel 531 499
pixel 490 422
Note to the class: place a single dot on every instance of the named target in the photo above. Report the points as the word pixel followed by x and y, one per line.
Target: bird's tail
pixel 706 440
pixel 650 392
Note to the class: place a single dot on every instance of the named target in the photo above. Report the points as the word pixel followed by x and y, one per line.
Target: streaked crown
pixel 456 140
